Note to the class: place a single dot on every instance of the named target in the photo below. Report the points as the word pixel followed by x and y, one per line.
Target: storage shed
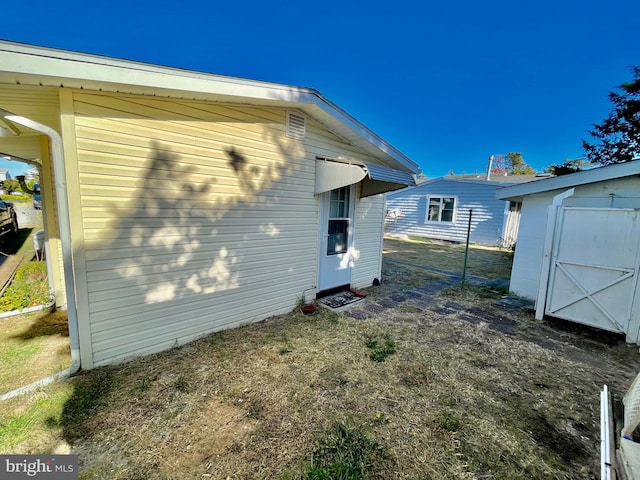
pixel 578 248
pixel 179 203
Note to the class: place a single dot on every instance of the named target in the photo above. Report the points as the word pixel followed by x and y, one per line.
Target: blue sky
pixel 447 83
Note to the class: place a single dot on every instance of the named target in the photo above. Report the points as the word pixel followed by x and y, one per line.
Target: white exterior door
pixel 336 237
pixel 594 268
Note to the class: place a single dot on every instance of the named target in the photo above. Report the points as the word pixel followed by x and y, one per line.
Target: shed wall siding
pixel 525 272
pixel 487 220
pixel 369 226
pixel 195 217
pixel 618 193
pixel 527 260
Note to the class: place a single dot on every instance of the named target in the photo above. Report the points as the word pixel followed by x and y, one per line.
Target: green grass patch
pixel 16 198
pixel 19 352
pixel 32 424
pixel 28 288
pixel 380 348
pixel 346 453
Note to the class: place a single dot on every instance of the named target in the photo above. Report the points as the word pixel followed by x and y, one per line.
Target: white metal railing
pixel 623 463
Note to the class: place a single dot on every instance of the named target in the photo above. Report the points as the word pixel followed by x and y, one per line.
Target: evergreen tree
pixel 618 137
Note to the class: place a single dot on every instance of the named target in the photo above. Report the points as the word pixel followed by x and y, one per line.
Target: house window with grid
pixel 440 209
pixel 338 235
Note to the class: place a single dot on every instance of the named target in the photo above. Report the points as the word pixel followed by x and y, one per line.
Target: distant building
pixel 440 209
pixel 32 175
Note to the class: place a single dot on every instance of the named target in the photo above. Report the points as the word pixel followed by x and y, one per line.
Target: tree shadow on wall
pixel 178 248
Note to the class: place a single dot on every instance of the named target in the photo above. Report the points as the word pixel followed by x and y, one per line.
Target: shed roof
pixel 593 175
pixel 32 65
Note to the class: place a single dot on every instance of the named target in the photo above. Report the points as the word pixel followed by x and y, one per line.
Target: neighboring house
pixel 577 253
pixel 187 202
pixel 440 209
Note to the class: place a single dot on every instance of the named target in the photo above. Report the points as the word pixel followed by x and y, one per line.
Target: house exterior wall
pixel 369 229
pixel 191 217
pixel 487 220
pixel 527 261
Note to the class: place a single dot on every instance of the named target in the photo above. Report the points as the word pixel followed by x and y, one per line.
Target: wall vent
pixel 296 126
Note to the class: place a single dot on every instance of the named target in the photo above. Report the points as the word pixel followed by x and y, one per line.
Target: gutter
pixel 59 173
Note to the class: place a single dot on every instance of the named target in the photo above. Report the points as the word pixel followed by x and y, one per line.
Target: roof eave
pixel 571 180
pixel 27 64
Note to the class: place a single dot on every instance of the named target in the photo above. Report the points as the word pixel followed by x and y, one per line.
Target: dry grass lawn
pixel 445 387
pixel 482 261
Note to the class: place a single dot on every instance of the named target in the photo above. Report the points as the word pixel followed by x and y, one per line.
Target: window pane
pixel 338 236
pixel 339 205
pixel 434 209
pixel 336 209
pixel 447 209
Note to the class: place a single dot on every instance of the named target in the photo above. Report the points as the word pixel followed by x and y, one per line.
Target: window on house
pixel 440 209
pixel 338 221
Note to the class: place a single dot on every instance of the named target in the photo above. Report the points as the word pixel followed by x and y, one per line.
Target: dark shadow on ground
pixel 49 323
pixel 90 396
pixel 585 334
pixel 9 245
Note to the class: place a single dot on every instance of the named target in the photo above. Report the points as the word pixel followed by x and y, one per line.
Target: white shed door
pixel 594 267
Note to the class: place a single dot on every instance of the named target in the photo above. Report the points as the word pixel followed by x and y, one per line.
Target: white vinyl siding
pixel 487 220
pixel 368 226
pixel 195 218
pixel 525 273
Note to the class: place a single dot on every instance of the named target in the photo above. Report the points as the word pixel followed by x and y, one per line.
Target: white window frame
pixel 441 198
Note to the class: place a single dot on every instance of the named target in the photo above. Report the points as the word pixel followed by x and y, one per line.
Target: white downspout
pixel 59 174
